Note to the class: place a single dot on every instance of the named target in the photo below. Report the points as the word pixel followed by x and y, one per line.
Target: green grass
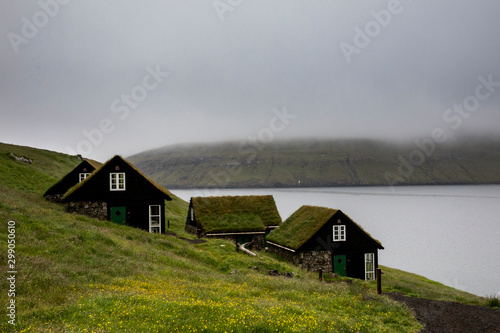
pixel 232 222
pixel 414 285
pixel 78 274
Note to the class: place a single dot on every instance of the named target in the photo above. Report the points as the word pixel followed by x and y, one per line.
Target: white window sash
pixel 339 233
pixel 369 266
pixel 155 219
pixel 117 181
pixel 83 176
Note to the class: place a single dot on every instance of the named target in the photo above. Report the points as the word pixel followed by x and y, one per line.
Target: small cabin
pixel 119 192
pixel 75 176
pixel 319 237
pixel 242 219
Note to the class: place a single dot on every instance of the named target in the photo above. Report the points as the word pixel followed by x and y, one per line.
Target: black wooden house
pixel 75 176
pixel 318 237
pixel 119 192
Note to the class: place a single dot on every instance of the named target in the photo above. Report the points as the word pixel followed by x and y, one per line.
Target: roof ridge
pixel 96 171
pixel 305 233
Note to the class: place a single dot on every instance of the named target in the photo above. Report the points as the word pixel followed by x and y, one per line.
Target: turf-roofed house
pixel 119 192
pixel 242 219
pixel 319 237
pixel 75 176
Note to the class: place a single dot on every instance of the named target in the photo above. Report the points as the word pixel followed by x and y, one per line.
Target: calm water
pixel 450 234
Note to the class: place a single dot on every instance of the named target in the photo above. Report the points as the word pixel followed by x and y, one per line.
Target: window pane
pixel 117 181
pixel 339 233
pixel 155 221
pixel 369 266
pixel 154 210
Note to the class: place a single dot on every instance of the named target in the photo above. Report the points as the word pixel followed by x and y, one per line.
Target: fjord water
pixel 450 234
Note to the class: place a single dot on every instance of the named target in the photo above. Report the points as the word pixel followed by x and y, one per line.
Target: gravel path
pixel 439 316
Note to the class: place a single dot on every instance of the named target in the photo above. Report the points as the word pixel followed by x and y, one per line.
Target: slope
pixel 313 163
pixel 77 274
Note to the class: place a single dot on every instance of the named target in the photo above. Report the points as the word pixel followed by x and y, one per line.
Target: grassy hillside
pixel 77 274
pixel 322 163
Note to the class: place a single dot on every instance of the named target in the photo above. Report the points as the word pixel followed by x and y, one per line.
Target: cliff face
pixel 321 163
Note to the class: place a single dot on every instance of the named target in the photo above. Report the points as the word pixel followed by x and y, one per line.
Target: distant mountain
pixel 321 163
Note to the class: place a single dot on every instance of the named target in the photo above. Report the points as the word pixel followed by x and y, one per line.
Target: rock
pixel 274 272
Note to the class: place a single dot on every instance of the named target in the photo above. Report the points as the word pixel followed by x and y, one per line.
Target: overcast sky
pixel 118 77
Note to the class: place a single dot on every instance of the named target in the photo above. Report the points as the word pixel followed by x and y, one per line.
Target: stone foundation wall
pixel 314 259
pixel 54 197
pixel 93 209
pixel 258 242
pixel 191 229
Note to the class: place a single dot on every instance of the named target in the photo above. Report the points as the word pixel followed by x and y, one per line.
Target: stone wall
pixel 54 197
pixel 314 259
pixel 258 242
pixel 191 229
pixel 93 209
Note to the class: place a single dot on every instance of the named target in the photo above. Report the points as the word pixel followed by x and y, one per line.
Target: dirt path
pixel 439 316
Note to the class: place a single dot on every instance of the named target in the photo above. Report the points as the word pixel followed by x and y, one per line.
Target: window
pixel 369 266
pixel 155 219
pixel 338 233
pixel 192 214
pixel 117 181
pixel 83 176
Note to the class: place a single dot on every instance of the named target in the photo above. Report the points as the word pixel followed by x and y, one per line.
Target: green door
pixel 118 215
pixel 339 265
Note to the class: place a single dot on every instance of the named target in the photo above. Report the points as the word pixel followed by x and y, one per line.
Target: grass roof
pixel 236 213
pixel 301 226
pixel 96 165
pixel 92 175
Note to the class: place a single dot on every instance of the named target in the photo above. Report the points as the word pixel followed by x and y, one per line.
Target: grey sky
pixel 70 67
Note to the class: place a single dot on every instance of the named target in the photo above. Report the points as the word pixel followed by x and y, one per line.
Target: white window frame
pixel 114 181
pixel 153 227
pixel 339 233
pixel 369 266
pixel 83 175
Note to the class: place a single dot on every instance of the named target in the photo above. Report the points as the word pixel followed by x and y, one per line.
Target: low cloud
pixel 404 71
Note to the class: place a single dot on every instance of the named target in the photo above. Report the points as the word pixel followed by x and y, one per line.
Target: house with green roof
pixel 319 237
pixel 121 193
pixel 242 219
pixel 75 176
